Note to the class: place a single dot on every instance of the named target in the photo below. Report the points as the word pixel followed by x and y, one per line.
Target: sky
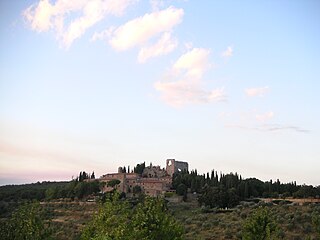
pixel 90 85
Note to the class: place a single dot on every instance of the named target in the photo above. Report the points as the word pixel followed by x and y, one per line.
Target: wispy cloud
pixel 181 93
pixel 228 52
pixel 253 92
pixel 184 83
pixel 269 128
pixel 45 16
pixel 138 31
pixel 156 4
pixel 265 116
pixel 165 45
pixel 248 116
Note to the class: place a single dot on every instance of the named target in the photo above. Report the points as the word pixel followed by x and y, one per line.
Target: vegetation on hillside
pixel 119 219
pixel 293 222
pixel 68 219
pixel 227 190
pixel 260 226
pixel 224 207
pixel 84 185
pixel 26 223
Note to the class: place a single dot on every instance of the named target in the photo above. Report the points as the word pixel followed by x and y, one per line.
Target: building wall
pixel 150 186
pixel 154 172
pixel 174 166
pixel 156 181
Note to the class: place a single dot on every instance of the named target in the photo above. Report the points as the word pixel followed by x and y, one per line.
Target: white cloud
pixel 101 35
pixel 45 16
pixel 138 31
pixel 269 128
pixel 228 52
pixel 184 84
pixel 165 45
pixel 195 62
pixel 264 117
pixel 181 93
pixel 253 92
pixel 40 17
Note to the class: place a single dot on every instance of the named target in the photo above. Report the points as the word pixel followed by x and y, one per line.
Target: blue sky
pixel 225 85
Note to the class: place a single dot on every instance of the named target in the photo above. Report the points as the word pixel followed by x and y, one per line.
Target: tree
pixel 82 176
pixel 83 189
pixel 113 182
pixel 111 222
pixel 137 189
pixel 259 226
pixel 139 168
pixel 316 222
pixel 117 219
pixel 25 224
pixel 151 221
pixel 218 197
pixel 182 191
pixel 93 176
pixel 51 193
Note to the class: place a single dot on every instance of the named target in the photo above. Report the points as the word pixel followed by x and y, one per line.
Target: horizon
pixel 93 85
pixel 132 167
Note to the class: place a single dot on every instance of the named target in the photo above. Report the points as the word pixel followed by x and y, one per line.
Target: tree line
pixel 78 187
pixel 226 190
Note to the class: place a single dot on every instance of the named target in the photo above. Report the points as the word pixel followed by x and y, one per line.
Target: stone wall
pixel 174 166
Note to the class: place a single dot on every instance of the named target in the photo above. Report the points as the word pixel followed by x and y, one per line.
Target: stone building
pixel 174 166
pixel 154 172
pixel 154 181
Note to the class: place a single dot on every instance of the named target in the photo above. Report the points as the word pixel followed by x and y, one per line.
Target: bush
pixel 149 219
pixel 259 226
pixel 25 223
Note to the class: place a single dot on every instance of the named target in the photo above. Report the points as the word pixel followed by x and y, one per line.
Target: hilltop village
pixel 153 181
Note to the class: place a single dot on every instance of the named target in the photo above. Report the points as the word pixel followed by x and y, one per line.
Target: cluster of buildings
pixel 154 181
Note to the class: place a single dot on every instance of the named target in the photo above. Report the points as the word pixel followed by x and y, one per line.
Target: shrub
pixel 25 223
pixel 148 220
pixel 259 226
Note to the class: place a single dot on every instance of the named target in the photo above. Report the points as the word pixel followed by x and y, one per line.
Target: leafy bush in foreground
pixel 25 224
pixel 259 226
pixel 118 220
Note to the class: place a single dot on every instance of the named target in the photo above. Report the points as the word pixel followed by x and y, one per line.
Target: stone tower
pixel 174 166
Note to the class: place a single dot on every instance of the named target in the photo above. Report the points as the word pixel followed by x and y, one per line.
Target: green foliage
pixel 306 191
pixel 316 222
pixel 113 182
pixel 25 223
pixel 181 189
pixel 139 168
pixel 151 221
pixel 83 175
pixel 86 188
pixel 259 226
pixel 34 191
pixel 118 220
pixel 50 190
pixel 137 189
pixel 110 222
pixel 218 197
pixel 73 189
pixel 226 190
